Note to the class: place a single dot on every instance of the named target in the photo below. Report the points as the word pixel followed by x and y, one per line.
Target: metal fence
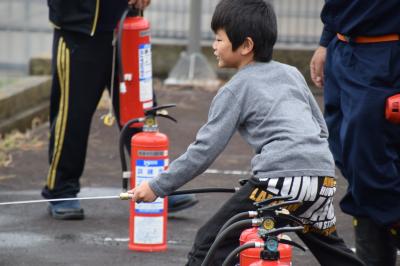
pixel 298 20
pixel 25 31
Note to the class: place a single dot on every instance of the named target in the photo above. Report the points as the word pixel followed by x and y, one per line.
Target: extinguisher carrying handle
pixel 159 111
pixel 168 116
pixel 153 110
pixel 276 231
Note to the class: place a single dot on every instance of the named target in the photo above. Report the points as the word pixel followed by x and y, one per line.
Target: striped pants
pixel 81 68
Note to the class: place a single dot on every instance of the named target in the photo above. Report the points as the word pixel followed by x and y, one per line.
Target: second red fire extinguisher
pixel 135 66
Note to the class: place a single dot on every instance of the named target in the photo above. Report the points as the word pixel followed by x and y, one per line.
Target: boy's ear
pixel 247 46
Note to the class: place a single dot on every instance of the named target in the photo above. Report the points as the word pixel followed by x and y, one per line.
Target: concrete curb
pixel 166 56
pixel 22 101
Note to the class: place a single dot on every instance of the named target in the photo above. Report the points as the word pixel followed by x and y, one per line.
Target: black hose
pixel 203 190
pixel 233 219
pixel 122 137
pixel 222 235
pixel 119 41
pixel 229 259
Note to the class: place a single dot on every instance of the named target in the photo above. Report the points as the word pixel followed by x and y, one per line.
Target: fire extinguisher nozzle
pixel 125 196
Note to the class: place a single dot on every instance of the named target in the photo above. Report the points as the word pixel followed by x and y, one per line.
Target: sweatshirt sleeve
pixel 211 139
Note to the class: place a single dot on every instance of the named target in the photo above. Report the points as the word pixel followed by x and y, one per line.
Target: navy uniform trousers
pixel 359 77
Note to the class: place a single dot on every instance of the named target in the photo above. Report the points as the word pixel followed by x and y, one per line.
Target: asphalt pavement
pixel 28 236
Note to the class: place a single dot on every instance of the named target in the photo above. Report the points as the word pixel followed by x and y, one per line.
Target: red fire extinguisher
pixel 277 254
pixel 149 157
pixel 264 244
pixel 135 66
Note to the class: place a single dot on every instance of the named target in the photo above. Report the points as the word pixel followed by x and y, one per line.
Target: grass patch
pixel 17 141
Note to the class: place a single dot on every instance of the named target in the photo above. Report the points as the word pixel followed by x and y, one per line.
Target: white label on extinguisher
pixel 151 230
pixel 145 73
pixel 145 171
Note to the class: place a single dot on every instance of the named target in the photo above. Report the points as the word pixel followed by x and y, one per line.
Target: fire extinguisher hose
pixel 236 226
pixel 237 217
pixel 204 190
pixel 229 259
pixel 122 138
pixel 119 49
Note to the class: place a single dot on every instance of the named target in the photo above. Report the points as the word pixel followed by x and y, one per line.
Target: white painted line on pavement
pixel 122 239
pixel 116 239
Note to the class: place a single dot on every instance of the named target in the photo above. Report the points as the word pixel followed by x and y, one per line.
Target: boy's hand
pixel 139 4
pixel 317 66
pixel 143 193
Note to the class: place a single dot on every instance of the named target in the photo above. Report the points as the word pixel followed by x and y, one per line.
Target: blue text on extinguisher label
pixel 145 73
pixel 146 170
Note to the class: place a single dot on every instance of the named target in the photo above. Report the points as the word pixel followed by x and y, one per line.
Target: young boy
pixel 271 106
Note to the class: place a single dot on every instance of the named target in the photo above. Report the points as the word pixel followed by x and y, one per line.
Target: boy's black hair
pixel 247 18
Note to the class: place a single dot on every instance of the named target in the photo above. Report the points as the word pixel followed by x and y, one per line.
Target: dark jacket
pixel 86 16
pixel 74 15
pixel 359 18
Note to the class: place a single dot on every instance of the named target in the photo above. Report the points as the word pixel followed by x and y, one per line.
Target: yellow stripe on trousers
pixel 63 65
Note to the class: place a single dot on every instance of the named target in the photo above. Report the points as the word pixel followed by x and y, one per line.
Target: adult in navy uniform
pixel 358 64
pixel 81 63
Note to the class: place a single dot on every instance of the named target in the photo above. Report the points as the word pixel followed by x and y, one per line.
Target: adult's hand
pixel 317 66
pixel 139 4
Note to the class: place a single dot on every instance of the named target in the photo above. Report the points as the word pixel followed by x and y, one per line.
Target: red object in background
pixel 251 256
pixel 135 88
pixel 148 221
pixel 392 110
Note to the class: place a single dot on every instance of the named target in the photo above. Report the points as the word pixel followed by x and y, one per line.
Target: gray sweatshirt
pixel 275 112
